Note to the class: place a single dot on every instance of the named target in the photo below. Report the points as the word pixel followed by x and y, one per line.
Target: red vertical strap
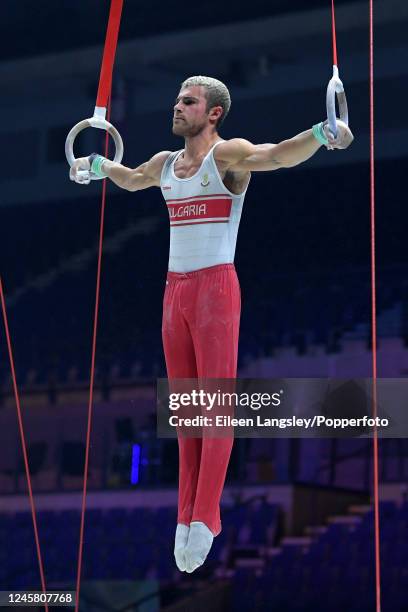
pixel 103 100
pixel 109 52
pixel 92 377
pixel 373 299
pixel 374 320
pixel 23 441
pixel 334 36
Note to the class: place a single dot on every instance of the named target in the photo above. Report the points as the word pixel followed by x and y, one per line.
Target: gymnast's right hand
pixel 79 171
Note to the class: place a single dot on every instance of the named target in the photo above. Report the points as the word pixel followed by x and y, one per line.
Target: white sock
pixel 180 544
pixel 199 543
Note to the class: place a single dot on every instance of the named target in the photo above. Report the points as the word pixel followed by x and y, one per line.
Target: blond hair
pixel 217 93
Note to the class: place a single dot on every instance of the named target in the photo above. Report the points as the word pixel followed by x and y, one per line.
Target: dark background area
pixel 295 512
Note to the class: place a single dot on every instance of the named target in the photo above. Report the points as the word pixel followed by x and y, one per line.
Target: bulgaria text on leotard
pixel 204 216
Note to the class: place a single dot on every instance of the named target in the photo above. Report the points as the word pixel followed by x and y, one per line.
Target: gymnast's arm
pixel 132 179
pixel 241 155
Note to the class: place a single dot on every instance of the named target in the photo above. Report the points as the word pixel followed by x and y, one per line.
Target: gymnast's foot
pixel 199 543
pixel 180 544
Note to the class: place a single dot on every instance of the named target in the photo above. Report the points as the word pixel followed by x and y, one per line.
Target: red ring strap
pixel 109 52
pixel 334 36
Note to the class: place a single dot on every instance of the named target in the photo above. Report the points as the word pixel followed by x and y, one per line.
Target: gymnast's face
pixel 190 116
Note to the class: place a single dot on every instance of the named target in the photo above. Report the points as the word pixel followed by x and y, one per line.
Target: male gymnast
pixel 204 187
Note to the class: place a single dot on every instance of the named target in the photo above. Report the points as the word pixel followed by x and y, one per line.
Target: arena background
pixel 297 514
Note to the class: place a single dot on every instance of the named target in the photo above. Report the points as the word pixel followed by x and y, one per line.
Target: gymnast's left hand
pixel 344 136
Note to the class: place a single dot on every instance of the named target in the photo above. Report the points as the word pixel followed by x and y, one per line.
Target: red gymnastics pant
pixel 201 313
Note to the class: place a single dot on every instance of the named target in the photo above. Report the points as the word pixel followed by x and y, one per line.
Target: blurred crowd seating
pixel 302 259
pixel 334 570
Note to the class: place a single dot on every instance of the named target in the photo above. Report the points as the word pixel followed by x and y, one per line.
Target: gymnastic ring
pixel 335 89
pixel 100 124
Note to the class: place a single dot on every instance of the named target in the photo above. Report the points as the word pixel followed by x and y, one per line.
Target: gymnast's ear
pixel 215 114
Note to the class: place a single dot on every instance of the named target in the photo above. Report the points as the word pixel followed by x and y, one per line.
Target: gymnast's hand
pixel 79 171
pixel 344 136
